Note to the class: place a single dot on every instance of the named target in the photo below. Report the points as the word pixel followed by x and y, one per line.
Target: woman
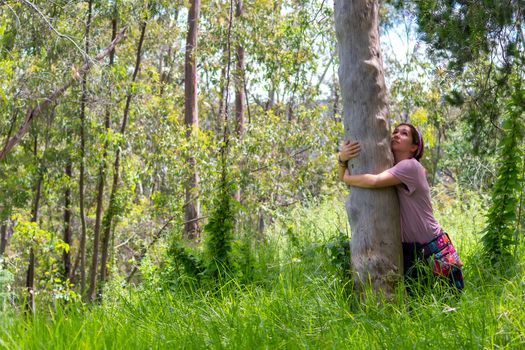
pixel 421 234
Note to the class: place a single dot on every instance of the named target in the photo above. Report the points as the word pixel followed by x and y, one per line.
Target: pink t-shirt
pixel 417 219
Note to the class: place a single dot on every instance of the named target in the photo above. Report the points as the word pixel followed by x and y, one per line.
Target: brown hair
pixel 417 139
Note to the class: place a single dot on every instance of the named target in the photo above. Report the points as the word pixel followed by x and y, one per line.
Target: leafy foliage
pixel 500 235
pixel 284 158
pixel 219 232
pixel 464 31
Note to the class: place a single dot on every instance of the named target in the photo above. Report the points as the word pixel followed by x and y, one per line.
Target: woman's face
pixel 401 141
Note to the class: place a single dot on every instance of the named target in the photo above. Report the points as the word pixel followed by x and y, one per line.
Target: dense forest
pixel 173 164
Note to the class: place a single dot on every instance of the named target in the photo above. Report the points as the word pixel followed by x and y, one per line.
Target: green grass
pixel 297 301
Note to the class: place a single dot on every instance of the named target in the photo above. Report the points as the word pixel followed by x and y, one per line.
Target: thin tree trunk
pixel 164 75
pixel 191 120
pixel 107 125
pixel 3 238
pixel 30 276
pixel 373 214
pixel 108 219
pixel 246 99
pixel 11 128
pixel 81 189
pixel 437 157
pixel 222 93
pixel 290 116
pixel 67 222
pixel 271 99
pixel 102 169
pixel 519 218
pixel 240 97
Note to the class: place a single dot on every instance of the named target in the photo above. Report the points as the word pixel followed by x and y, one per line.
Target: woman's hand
pixel 349 150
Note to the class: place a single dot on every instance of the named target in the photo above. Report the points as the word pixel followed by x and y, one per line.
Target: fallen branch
pixel 156 237
pixel 35 112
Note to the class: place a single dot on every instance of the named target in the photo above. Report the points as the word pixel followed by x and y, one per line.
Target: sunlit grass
pixel 297 301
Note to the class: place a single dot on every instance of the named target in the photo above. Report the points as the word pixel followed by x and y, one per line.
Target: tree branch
pixel 35 8
pixel 156 237
pixel 35 112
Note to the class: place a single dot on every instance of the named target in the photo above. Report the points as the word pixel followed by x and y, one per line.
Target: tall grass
pixel 298 300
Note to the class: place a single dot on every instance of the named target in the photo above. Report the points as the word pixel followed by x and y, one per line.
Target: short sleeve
pixel 406 171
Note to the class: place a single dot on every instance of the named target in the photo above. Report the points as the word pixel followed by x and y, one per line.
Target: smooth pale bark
pixel 373 213
pixel 191 120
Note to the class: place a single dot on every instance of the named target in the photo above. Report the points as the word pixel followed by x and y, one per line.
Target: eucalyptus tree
pixel 30 276
pixel 3 238
pixel 81 175
pixel 191 120
pixel 112 209
pixel 240 84
pixel 373 214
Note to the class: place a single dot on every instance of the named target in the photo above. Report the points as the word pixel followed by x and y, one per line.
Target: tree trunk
pixel 271 99
pixel 3 238
pixel 108 219
pixel 240 97
pixel 30 276
pixel 81 189
pixel 102 169
pixel 191 120
pixel 373 214
pixel 67 222
pixel 437 156
pixel 222 94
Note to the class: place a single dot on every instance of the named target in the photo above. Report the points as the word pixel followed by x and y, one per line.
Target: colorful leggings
pixel 413 256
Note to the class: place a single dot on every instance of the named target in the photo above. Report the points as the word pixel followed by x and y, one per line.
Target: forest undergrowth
pixel 298 295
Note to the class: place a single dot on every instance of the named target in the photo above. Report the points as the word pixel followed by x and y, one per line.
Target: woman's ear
pixel 413 149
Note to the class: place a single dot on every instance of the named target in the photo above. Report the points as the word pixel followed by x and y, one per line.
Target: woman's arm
pixel 350 150
pixel 342 166
pixel 383 179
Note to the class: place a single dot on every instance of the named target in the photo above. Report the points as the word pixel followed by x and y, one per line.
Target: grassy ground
pixel 297 300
